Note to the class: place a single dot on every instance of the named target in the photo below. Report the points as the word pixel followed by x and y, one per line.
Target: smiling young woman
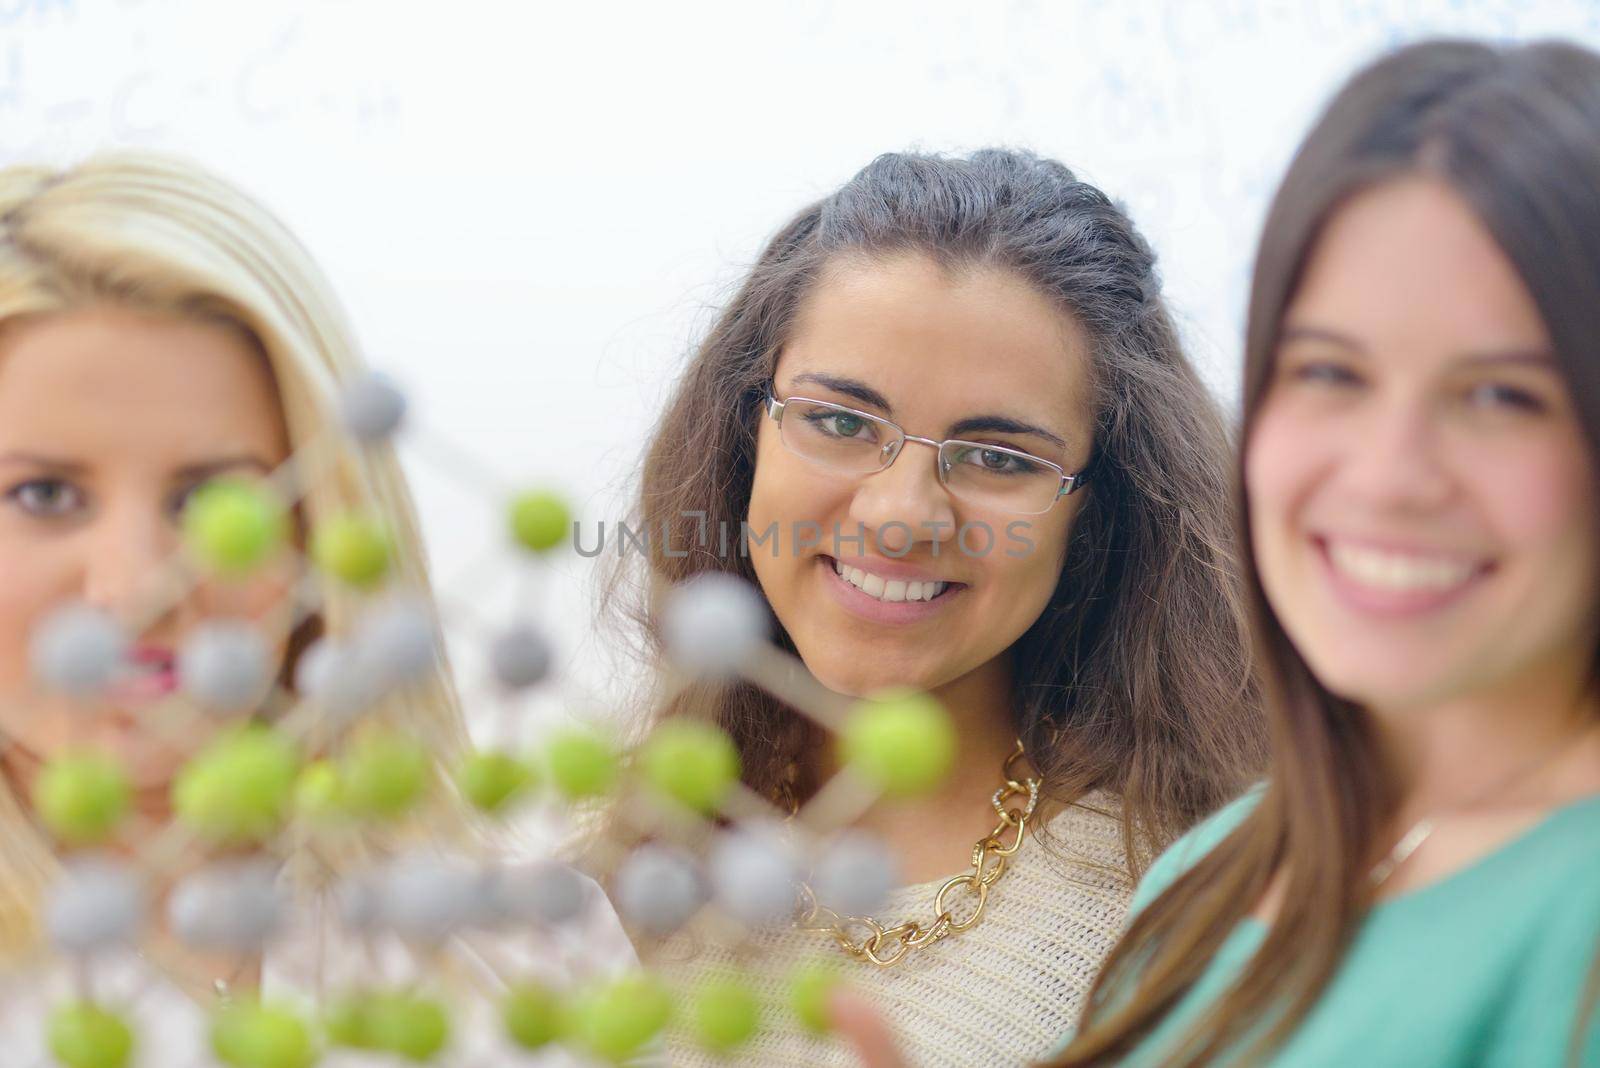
pixel 159 329
pixel 951 412
pixel 1414 884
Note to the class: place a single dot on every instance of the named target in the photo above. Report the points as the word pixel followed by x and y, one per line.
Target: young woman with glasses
pixel 949 422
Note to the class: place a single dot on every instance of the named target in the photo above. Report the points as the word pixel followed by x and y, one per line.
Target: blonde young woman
pixel 158 329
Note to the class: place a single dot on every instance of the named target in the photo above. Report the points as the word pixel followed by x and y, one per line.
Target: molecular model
pixel 322 796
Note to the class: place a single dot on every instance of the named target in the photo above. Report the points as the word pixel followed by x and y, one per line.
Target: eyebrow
pixel 208 468
pixel 850 387
pixel 201 470
pixel 1318 333
pixel 22 457
pixel 1000 424
pixel 1521 357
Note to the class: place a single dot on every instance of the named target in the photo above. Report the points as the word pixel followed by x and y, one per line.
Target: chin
pixel 1378 685
pixel 863 681
pixel 148 764
pixel 848 682
pixel 856 677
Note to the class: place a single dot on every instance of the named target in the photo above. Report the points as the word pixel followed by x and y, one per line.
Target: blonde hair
pixel 162 235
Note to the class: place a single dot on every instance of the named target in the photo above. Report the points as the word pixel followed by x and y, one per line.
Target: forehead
pixel 128 384
pixel 941 338
pixel 1408 267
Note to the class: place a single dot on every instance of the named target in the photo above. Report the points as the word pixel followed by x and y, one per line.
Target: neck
pixel 981 706
pixel 1443 753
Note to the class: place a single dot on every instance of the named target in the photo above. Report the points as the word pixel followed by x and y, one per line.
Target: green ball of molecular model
pixel 726 1014
pixel 346 1021
pixel 239 788
pixel 319 793
pixel 690 761
pixel 234 526
pixel 406 1024
pixel 900 740
pixel 81 797
pixel 352 548
pixel 581 762
pixel 810 988
pixel 614 1021
pixel 539 521
pixel 84 1035
pixel 249 1034
pixel 385 773
pixel 492 780
pixel 534 1015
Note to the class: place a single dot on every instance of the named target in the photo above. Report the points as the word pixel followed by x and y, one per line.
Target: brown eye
pixel 1495 395
pixel 837 424
pixel 180 500
pixel 47 498
pixel 996 461
pixel 1325 373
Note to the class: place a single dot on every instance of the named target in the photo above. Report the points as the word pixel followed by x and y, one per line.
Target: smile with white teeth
pixel 1398 572
pixel 888 589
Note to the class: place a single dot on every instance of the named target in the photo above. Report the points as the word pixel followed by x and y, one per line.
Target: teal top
pixel 1485 967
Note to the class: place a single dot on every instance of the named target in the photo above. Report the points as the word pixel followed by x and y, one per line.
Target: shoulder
pixel 1551 984
pixel 1200 839
pixel 1086 836
pixel 1556 875
pixel 1095 817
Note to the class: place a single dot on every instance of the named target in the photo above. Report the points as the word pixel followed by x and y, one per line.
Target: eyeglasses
pixel 858 443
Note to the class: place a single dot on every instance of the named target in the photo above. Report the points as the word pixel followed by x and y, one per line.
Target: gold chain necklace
pixel 864 938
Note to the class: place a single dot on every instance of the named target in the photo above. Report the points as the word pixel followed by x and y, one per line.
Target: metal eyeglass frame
pixel 1070 484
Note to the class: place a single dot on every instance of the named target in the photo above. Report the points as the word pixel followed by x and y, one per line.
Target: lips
pixel 150 673
pixel 891 590
pixel 1398 572
pixel 857 597
pixel 1388 580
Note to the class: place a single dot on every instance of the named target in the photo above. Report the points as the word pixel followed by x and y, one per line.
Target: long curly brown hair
pixel 1136 677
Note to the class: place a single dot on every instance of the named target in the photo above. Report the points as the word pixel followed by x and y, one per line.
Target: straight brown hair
pixel 1136 677
pixel 1516 132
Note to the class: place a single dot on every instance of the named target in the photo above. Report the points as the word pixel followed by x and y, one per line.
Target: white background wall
pixel 531 210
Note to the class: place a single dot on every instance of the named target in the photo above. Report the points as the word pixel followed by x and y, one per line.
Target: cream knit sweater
pixel 1001 993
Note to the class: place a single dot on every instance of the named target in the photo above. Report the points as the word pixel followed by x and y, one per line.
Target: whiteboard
pixel 531 210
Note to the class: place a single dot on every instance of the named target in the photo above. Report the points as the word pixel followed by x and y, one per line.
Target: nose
pixel 1397 462
pixel 129 550
pixel 905 502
